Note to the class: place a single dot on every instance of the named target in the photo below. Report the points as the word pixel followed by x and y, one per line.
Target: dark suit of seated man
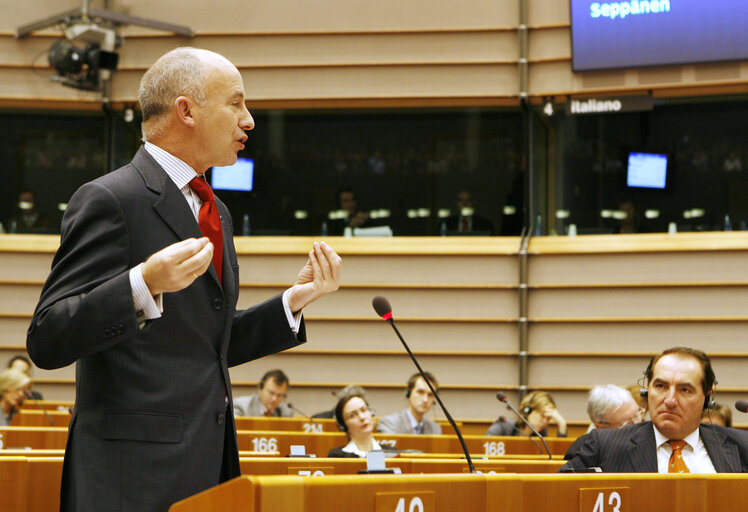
pixel 680 384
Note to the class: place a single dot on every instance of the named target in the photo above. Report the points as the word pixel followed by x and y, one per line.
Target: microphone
pixel 293 408
pixel 29 394
pixel 383 309
pixel 741 405
pixel 502 398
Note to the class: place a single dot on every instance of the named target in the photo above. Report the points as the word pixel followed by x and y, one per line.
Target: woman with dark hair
pixel 354 417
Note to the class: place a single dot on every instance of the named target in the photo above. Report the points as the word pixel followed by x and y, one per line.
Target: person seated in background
pixel 679 386
pixel 608 406
pixel 411 420
pixel 26 218
pixel 539 409
pixel 354 218
pixel 466 221
pixel 350 389
pixel 14 386
pixel 23 363
pixel 721 415
pixel 268 401
pixel 354 417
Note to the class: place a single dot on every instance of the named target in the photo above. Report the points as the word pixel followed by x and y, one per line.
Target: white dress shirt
pixel 694 453
pixel 352 448
pixel 181 173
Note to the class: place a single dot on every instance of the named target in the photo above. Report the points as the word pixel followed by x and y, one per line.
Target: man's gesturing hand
pixel 320 276
pixel 175 267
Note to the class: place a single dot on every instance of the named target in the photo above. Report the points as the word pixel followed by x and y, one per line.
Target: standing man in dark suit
pixel 146 305
pixel 680 384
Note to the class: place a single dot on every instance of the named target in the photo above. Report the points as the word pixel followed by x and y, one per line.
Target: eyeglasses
pixel 274 395
pixel 362 411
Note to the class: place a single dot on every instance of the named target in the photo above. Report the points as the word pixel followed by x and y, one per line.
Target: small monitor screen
pixel 234 177
pixel 647 170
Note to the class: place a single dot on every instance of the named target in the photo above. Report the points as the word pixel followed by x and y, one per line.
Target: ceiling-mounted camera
pixel 87 56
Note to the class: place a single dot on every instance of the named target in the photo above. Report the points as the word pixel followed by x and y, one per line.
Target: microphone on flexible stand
pixel 29 395
pixel 302 413
pixel 502 398
pixel 383 309
pixel 741 405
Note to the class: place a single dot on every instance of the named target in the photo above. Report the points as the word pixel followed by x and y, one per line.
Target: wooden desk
pixel 30 484
pixel 630 492
pixel 337 466
pixel 307 425
pixel 49 438
pixel 476 493
pixel 37 418
pixel 48 405
pixel 321 443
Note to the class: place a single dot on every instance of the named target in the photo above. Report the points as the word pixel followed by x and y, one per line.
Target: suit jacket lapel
pixel 642 450
pixel 725 457
pixel 170 204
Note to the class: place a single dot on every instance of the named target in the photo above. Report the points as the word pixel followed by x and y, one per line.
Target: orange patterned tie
pixel 677 464
pixel 210 222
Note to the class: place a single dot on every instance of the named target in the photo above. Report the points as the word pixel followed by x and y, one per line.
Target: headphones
pixel 339 421
pixel 709 402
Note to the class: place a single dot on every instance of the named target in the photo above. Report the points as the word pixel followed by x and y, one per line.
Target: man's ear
pixel 183 107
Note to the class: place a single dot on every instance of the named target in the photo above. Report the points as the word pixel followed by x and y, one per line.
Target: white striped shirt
pixel 181 173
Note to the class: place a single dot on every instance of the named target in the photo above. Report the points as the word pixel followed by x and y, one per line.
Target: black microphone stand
pixel 436 395
pixel 502 398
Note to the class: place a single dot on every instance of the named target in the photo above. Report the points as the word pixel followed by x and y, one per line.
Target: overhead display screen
pixel 607 35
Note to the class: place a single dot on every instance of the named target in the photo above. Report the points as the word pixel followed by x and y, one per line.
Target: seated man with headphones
pixel 268 401
pixel 539 409
pixel 412 420
pixel 354 417
pixel 679 386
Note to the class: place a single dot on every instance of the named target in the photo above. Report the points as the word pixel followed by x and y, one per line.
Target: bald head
pixel 180 72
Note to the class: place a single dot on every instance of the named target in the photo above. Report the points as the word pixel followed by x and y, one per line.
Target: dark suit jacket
pixel 632 449
pixel 151 423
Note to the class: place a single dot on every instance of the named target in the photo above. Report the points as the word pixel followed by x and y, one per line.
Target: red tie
pixel 210 222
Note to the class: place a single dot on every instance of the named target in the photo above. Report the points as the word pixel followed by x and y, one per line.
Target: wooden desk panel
pixel 14 481
pixel 37 418
pixel 437 493
pixel 45 478
pixel 49 438
pixel 321 443
pixel 634 492
pixel 307 425
pixel 479 493
pixel 337 466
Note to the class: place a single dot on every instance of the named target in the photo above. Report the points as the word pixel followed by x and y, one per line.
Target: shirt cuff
pixel 294 321
pixel 147 307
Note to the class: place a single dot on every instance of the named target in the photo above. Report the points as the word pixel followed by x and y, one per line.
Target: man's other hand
pixel 320 276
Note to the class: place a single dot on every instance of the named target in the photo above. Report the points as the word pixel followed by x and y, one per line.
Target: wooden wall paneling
pixel 422 335
pixel 673 267
pixel 636 336
pixel 639 302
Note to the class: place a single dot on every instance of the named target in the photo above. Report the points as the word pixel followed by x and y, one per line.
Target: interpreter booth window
pixel 452 172
pixel 45 158
pixel 681 166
